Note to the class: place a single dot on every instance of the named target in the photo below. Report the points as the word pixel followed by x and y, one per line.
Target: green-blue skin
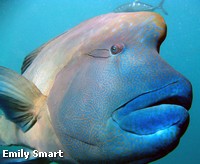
pixel 91 118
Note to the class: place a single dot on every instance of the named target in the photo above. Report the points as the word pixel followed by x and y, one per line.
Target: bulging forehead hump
pixel 114 27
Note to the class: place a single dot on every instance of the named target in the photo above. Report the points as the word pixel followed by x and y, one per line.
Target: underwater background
pixel 26 24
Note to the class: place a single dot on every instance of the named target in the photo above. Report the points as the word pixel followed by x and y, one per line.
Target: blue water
pixel 26 24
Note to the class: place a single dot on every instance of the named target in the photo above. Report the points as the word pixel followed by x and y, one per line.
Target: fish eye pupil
pixel 116 49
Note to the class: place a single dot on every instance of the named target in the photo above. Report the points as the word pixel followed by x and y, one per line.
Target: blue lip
pixel 156 109
pixel 172 93
pixel 153 119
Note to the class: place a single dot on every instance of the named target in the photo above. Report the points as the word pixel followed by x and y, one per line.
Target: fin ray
pixel 18 97
pixel 29 59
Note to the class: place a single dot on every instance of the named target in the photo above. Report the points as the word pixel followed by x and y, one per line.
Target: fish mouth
pixel 155 111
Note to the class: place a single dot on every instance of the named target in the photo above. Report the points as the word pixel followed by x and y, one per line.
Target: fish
pixel 137 6
pixel 99 92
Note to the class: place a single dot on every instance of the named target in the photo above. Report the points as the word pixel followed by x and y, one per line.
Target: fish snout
pixel 178 93
pixel 160 109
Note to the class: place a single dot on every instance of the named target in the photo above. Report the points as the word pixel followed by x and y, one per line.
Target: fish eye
pixel 116 49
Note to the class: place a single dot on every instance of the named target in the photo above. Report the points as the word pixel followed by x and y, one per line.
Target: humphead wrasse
pixel 99 92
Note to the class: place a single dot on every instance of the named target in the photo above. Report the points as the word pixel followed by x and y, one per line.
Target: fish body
pixel 99 92
pixel 137 6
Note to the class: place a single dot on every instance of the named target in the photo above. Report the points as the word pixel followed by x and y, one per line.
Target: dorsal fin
pixel 29 58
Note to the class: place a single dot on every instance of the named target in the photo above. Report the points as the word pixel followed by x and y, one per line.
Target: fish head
pixel 117 100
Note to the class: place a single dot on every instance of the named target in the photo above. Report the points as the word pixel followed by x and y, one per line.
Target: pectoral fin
pixel 20 99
